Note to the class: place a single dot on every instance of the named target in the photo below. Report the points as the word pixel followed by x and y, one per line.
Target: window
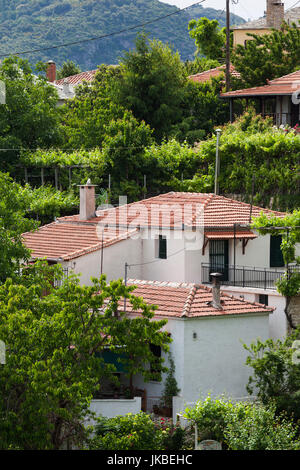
pixel 263 299
pixel 162 247
pixel 276 258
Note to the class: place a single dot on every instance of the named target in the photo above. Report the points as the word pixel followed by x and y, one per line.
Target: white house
pixel 208 330
pixel 171 244
pixel 178 237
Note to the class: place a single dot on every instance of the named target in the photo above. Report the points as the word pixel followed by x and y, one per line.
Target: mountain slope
pixel 37 24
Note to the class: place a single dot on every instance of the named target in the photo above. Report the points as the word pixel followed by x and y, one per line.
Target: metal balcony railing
pixel 245 276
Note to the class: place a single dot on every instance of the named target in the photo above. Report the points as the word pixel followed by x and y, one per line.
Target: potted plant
pixel 170 390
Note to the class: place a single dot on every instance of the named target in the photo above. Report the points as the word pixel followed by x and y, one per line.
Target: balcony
pixel 245 276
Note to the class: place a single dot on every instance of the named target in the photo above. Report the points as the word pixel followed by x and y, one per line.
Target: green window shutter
pixel 276 258
pixel 162 250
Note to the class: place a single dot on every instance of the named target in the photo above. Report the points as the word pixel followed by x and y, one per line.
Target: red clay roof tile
pixel 181 300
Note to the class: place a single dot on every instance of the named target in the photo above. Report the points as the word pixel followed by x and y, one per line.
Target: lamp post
pixel 217 169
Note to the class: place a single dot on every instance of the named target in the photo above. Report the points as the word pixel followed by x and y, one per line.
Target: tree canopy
pixel 67 69
pixel 14 202
pixel 268 56
pixel 53 352
pixel 209 38
pixel 30 118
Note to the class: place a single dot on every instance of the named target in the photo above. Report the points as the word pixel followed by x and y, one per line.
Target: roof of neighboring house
pixel 286 85
pixel 290 16
pixel 182 300
pixel 78 78
pixel 69 241
pixel 69 237
pixel 172 210
pixel 216 72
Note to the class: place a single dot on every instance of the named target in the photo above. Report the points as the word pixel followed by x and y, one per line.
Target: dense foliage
pixel 275 377
pixel 243 425
pixel 268 56
pixel 209 38
pixel 137 432
pixel 67 69
pixel 22 24
pixel 14 201
pixel 30 118
pixel 52 369
pixel 253 152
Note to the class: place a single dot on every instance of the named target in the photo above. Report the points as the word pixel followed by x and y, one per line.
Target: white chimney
pixel 216 300
pixel 87 201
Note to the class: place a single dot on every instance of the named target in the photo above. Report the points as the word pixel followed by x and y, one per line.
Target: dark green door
pixel 218 257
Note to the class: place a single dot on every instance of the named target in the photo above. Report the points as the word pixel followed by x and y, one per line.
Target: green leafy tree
pixel 91 110
pixel 30 118
pixel 67 69
pixel 202 110
pixel 275 377
pixel 151 84
pixel 268 56
pixel 124 154
pixel 200 64
pixel 14 202
pixel 210 39
pixel 52 369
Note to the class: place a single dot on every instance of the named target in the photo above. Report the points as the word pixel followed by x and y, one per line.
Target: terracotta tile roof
pixel 78 78
pixel 182 300
pixel 224 235
pixel 285 85
pixel 174 209
pixel 70 237
pixel 290 16
pixel 208 74
pixel 66 241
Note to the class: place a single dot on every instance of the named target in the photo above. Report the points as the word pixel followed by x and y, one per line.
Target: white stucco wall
pixel 114 259
pixel 214 362
pixel 112 408
pixel 277 320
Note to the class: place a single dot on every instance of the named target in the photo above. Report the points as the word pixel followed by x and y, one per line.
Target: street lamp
pixel 217 169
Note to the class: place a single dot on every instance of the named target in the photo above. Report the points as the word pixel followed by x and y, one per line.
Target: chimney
pixel 87 201
pixel 216 300
pixel 275 13
pixel 51 71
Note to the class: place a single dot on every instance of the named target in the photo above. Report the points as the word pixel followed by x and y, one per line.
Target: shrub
pixel 130 432
pixel 244 425
pixel 210 417
pixel 256 427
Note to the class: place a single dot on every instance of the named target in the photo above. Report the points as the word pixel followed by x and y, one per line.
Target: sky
pixel 248 9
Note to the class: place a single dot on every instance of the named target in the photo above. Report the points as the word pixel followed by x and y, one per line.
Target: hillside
pixel 36 24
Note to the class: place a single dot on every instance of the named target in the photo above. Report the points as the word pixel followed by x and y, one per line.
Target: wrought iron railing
pixel 245 276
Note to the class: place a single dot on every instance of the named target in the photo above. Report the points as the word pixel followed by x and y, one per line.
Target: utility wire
pixel 81 41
